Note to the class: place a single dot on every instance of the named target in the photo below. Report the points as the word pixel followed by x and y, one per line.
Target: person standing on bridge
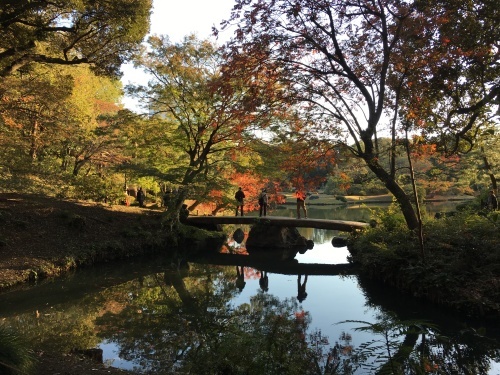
pixel 263 203
pixel 301 203
pixel 239 196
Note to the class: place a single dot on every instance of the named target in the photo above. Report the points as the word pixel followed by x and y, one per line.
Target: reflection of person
pixel 140 197
pixel 240 278
pixel 301 203
pixel 240 195
pixel 301 289
pixel 492 201
pixel 263 202
pixel 264 281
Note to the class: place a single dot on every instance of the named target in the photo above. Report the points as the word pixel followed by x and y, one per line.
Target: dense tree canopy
pixel 102 33
pixel 448 67
pixel 200 118
pixel 348 64
pixel 52 125
pixel 268 110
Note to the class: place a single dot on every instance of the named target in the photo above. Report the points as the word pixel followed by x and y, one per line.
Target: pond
pixel 225 317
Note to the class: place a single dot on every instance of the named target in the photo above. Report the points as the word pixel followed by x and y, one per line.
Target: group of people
pixel 264 200
pixel 264 282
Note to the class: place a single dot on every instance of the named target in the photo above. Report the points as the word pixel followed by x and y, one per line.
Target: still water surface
pixel 149 317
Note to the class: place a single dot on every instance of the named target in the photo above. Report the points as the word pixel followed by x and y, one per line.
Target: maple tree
pixel 200 116
pixel 343 63
pixel 54 111
pixel 448 68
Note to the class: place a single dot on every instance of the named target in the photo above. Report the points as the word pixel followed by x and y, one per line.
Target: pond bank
pixel 327 200
pixel 458 267
pixel 51 236
pixel 42 237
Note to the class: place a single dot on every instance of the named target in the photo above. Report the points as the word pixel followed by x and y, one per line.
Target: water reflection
pixel 154 318
pixel 301 288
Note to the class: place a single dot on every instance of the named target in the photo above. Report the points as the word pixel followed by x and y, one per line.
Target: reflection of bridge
pixel 341 225
pixel 274 264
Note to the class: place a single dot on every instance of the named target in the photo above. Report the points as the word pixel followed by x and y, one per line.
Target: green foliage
pixel 94 187
pixel 391 219
pixel 15 355
pixel 462 257
pixel 54 133
pixel 394 349
pixel 72 32
pixel 357 189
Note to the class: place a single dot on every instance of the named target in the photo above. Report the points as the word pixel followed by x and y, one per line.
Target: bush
pixel 15 356
pixel 94 188
pixel 461 262
pixel 356 189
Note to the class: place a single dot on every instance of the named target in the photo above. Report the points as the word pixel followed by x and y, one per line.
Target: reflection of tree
pixel 172 315
pixel 415 347
pixel 185 322
pixel 269 336
pixel 61 328
pixel 453 349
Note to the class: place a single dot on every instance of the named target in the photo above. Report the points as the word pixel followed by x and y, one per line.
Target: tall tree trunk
pixel 176 280
pixel 78 164
pixel 403 354
pixel 173 208
pixel 35 130
pixel 193 206
pixel 417 201
pixel 489 170
pixel 390 183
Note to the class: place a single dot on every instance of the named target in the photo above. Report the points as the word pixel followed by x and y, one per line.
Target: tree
pixel 199 116
pixel 339 61
pixel 32 107
pixel 451 84
pixel 52 126
pixel 88 138
pixel 101 33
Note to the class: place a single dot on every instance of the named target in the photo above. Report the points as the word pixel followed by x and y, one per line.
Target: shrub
pixel 461 262
pixel 15 356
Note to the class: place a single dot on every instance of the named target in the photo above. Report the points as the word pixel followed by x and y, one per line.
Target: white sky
pixel 178 18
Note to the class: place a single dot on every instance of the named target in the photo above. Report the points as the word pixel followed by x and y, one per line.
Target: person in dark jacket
pixel 263 203
pixel 301 288
pixel 239 196
pixel 141 197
